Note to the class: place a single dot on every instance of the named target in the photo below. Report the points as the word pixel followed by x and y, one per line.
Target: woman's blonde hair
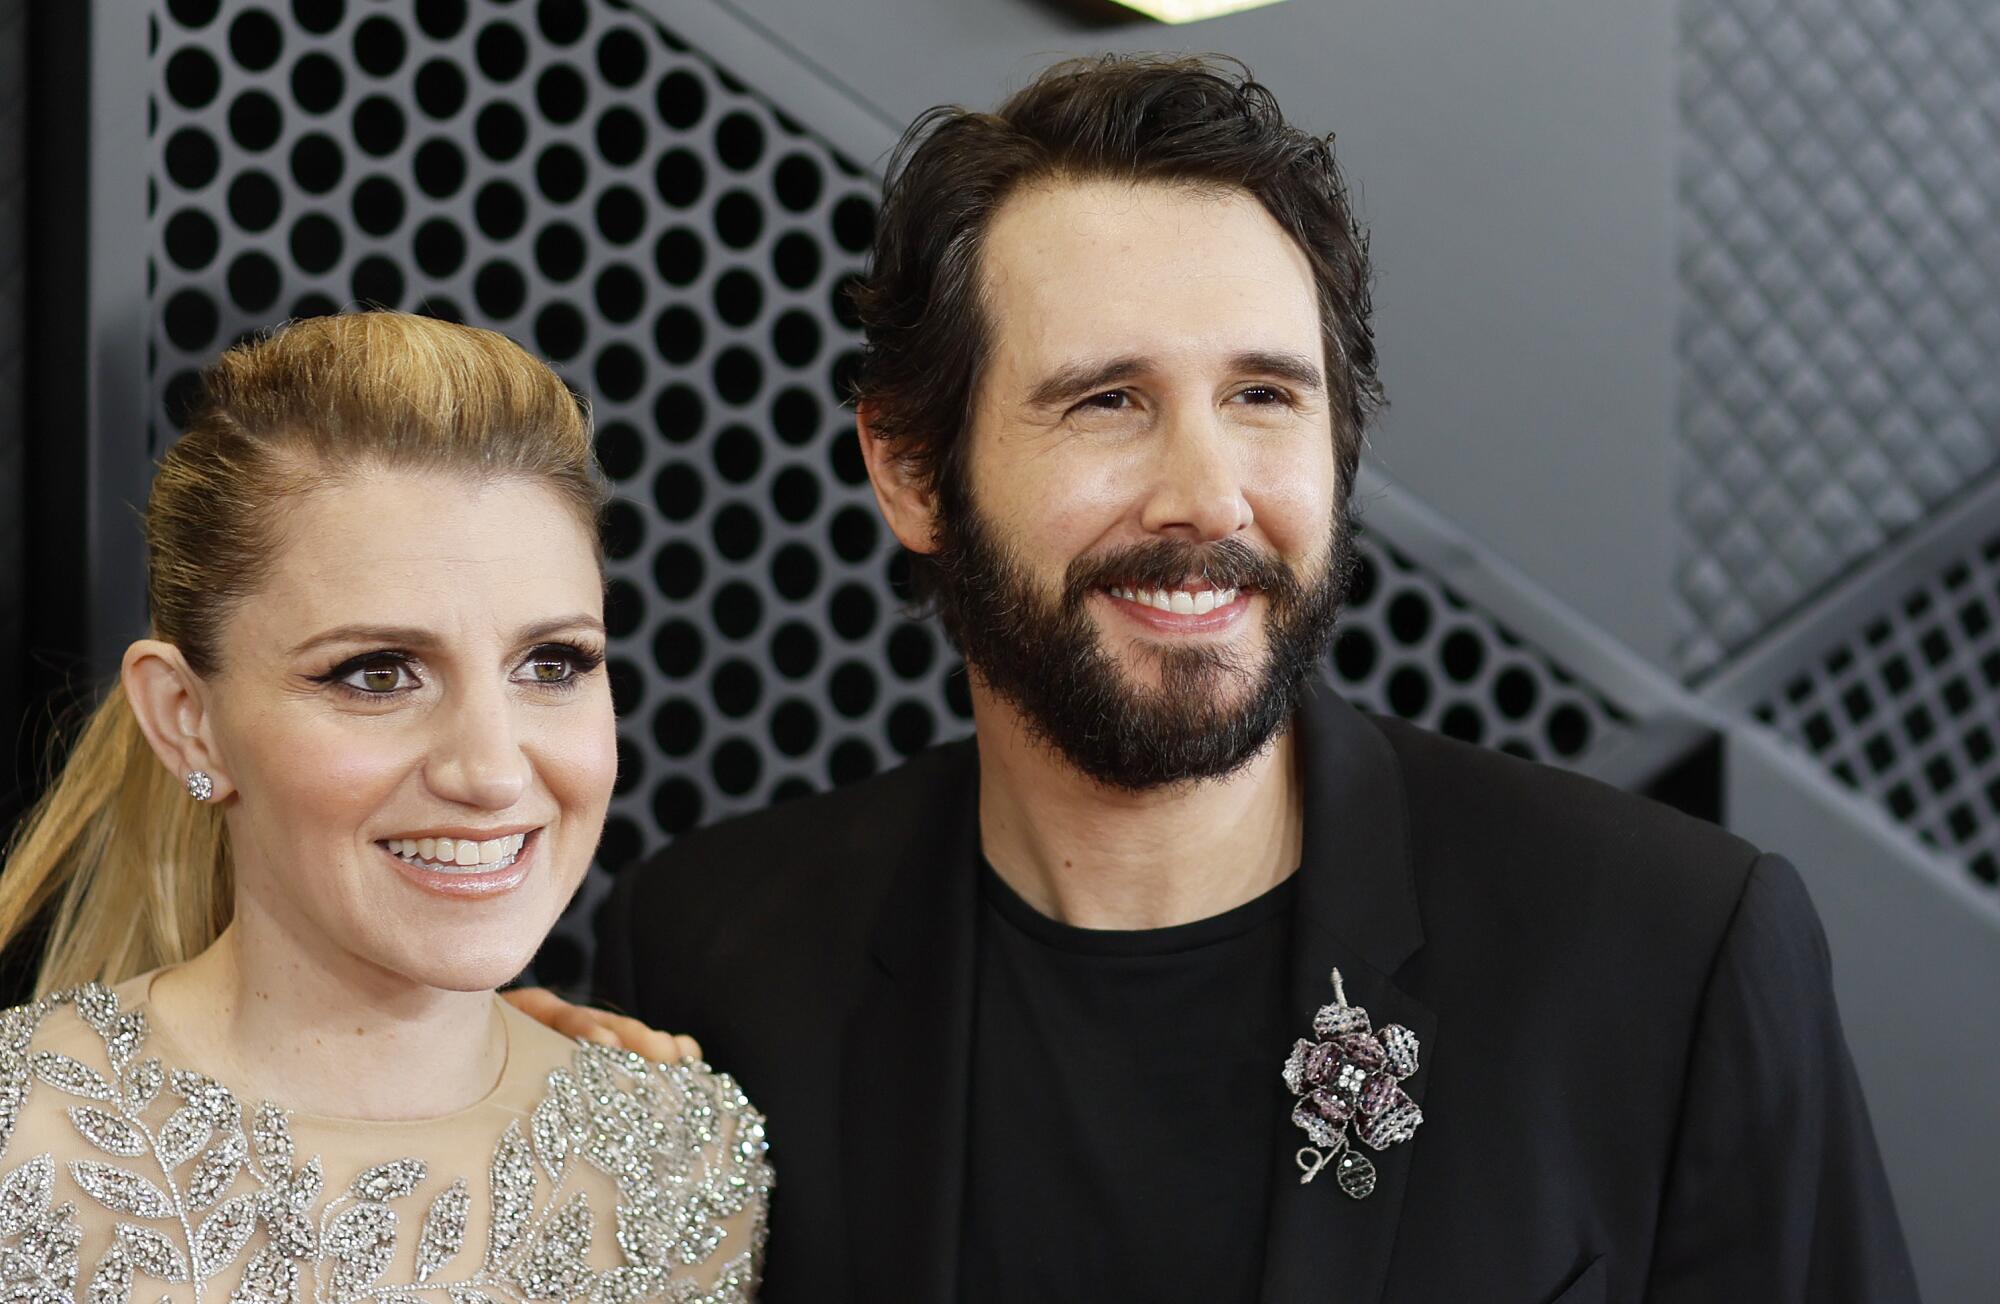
pixel 139 873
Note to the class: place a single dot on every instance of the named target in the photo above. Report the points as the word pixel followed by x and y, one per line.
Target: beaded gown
pixel 586 1175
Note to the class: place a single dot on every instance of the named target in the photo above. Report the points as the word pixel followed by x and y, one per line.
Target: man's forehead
pixel 1147 267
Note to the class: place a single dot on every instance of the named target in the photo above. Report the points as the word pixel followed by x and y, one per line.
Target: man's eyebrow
pixel 1295 369
pixel 1086 377
pixel 1094 375
pixel 412 636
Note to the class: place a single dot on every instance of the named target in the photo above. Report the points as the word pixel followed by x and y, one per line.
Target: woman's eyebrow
pixel 561 625
pixel 395 635
pixel 415 637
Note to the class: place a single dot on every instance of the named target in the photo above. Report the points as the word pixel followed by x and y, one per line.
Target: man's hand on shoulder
pixel 601 1026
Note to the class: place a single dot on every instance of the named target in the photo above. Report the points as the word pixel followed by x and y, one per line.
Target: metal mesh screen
pixel 1908 712
pixel 1840 276
pixel 1411 647
pixel 574 175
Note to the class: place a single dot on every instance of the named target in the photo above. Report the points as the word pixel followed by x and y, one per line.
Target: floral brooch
pixel 1350 1076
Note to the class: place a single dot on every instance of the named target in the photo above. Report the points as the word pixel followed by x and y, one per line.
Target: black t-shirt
pixel 1125 1104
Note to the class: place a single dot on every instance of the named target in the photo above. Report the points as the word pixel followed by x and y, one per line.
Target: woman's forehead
pixel 438 549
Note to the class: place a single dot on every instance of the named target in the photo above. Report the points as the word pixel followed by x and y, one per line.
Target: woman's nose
pixel 479 760
pixel 1197 490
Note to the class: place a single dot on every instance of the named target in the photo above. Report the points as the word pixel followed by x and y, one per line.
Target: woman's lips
pixel 469 882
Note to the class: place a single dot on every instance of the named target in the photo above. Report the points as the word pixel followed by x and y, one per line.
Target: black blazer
pixel 1633 1077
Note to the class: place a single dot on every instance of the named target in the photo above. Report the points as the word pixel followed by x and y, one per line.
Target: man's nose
pixel 1197 488
pixel 478 759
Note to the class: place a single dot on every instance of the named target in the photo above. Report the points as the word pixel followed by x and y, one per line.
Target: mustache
pixel 1168 563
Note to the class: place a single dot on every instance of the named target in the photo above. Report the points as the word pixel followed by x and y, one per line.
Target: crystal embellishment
pixel 1350 1078
pixel 208 1194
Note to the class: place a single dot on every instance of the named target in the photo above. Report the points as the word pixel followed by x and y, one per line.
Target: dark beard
pixel 1047 661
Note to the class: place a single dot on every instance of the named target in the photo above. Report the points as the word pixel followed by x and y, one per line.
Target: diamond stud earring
pixel 199 785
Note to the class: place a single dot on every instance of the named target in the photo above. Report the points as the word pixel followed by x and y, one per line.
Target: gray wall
pixel 1916 958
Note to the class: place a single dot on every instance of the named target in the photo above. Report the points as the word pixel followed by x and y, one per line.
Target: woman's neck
pixel 279 1022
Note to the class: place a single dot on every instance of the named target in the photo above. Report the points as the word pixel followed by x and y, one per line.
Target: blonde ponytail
pixel 138 872
pixel 116 827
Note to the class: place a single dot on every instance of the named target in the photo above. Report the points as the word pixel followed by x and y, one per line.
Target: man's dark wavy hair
pixel 1185 120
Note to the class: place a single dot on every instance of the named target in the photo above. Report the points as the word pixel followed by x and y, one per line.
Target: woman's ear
pixel 907 503
pixel 168 700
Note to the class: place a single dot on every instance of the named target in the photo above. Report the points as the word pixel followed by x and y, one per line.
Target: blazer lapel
pixel 906 1063
pixel 1357 911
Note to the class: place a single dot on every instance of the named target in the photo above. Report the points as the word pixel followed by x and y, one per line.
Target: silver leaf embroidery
pixel 121 1190
pixel 215 1102
pixel 215 1171
pixel 390 1181
pixel 306 1184
pixel 108 1132
pixel 681 1145
pixel 25 1192
pixel 66 1074
pixel 128 1033
pixel 444 1229
pixel 625 1285
pixel 112 1282
pixel 270 1278
pixel 273 1138
pixel 223 1234
pixel 551 1136
pixel 152 1253
pixel 557 1268
pixel 142 1085
pixel 97 1006
pixel 362 1239
pixel 290 1231
pixel 183 1135
pixel 513 1195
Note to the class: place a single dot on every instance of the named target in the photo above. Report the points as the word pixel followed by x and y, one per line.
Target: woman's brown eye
pixel 551 672
pixel 380 678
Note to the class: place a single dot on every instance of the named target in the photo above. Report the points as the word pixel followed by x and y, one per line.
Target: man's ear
pixel 907 503
pixel 169 701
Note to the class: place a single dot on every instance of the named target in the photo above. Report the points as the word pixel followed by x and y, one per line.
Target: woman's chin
pixel 479 965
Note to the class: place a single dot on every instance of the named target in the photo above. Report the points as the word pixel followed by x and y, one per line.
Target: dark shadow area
pixel 1092 15
pixel 1693 784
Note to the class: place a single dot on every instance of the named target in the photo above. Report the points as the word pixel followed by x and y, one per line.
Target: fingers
pixel 538 1003
pixel 601 1026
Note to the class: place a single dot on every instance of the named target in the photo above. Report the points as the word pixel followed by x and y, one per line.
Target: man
pixel 1044 1015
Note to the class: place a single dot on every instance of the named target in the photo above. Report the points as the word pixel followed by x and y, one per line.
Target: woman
pixel 339 797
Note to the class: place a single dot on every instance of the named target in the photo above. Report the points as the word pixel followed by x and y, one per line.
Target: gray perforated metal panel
pixel 574 175
pixel 1840 270
pixel 1908 711
pixel 1412 647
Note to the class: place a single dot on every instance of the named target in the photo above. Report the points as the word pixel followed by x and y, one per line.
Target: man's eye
pixel 378 676
pixel 1261 394
pixel 1110 400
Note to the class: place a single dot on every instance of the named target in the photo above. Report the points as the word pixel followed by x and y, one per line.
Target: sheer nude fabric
pixel 585 1175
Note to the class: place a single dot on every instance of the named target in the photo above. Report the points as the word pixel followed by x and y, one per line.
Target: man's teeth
pixel 1178 601
pixel 458 853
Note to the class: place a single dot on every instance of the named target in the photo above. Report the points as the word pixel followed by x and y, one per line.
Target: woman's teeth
pixel 1178 601
pixel 458 853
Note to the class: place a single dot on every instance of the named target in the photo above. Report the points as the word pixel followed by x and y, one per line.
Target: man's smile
pixel 1195 608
